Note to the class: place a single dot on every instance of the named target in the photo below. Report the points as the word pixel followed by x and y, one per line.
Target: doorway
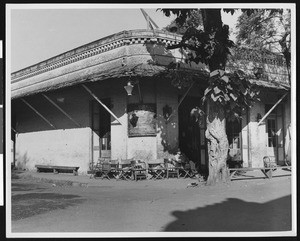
pixel 274 133
pixel 192 134
pixel 101 130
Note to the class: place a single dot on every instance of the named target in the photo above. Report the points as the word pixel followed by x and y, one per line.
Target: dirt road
pixel 152 206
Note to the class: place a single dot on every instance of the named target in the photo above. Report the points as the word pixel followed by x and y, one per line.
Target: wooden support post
pixel 60 109
pixel 101 103
pixel 38 113
pixel 182 98
pixel 266 115
pixel 140 93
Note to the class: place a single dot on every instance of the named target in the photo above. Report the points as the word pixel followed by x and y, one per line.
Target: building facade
pixel 73 108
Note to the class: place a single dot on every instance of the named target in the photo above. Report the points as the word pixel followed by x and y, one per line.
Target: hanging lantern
pixel 128 88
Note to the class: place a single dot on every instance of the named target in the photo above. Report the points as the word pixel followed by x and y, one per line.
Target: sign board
pixel 141 120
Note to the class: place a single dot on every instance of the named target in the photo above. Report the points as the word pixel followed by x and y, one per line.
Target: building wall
pixel 66 144
pixel 38 143
pixel 54 147
pixel 287 126
pixel 255 137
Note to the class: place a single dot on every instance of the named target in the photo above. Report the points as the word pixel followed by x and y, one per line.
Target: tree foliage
pixel 210 44
pixel 227 94
pixel 266 29
pixel 232 92
pixel 179 27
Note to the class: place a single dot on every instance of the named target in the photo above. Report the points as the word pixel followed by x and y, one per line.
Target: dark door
pixel 101 130
pixel 192 135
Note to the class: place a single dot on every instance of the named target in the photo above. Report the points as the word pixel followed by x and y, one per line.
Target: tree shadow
pixel 235 215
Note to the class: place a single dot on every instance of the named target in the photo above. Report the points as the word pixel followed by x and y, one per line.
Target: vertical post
pixel 248 137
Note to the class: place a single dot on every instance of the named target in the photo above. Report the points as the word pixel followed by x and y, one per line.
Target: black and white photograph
pixel 1 125
pixel 150 120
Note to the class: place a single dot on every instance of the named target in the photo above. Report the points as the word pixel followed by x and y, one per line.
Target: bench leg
pixel 232 174
pixel 75 173
pixel 55 171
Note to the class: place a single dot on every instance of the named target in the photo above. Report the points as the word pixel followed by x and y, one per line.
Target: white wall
pixel 68 147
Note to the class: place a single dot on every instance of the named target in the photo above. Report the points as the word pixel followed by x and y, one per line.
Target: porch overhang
pixel 270 85
pixel 140 53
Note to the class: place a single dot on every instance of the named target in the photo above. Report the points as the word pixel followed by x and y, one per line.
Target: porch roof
pixel 269 84
pixel 140 53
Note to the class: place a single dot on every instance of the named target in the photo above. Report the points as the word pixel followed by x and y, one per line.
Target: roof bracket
pixel 266 115
pixel 38 113
pixel 101 103
pixel 61 110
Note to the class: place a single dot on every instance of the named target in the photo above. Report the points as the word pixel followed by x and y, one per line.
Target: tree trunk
pixel 217 144
pixel 216 132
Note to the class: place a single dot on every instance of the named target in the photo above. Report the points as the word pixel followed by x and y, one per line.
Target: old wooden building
pixel 77 106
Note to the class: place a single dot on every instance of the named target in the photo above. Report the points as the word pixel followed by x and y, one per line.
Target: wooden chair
pixel 139 170
pixel 172 168
pixel 96 170
pixel 157 170
pixel 125 169
pixel 189 170
pixel 114 168
pixel 105 170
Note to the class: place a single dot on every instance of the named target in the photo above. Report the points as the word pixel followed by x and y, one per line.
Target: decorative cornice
pixel 95 48
pixel 258 56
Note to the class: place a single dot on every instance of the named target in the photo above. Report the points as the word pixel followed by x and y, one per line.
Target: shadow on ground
pixel 30 204
pixel 235 215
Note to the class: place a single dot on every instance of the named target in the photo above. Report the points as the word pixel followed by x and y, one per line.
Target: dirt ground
pixel 45 202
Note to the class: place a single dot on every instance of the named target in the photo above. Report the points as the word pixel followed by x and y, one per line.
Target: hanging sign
pixel 141 120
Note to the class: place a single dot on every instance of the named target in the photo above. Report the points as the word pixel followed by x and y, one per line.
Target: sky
pixel 35 35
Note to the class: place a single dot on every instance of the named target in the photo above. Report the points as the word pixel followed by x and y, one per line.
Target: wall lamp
pixel 258 117
pixel 167 111
pixel 129 88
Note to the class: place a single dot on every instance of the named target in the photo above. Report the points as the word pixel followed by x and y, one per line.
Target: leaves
pixel 217 90
pixel 235 94
pixel 204 36
pixel 266 29
pixel 210 44
pixel 225 79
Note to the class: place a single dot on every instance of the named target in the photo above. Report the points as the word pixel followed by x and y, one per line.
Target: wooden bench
pixel 267 171
pixel 57 169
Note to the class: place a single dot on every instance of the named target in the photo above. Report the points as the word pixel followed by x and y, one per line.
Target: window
pixel 271 129
pixel 271 125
